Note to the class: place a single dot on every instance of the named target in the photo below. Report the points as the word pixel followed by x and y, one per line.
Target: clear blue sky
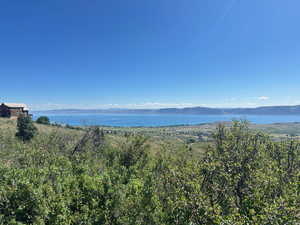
pixel 149 53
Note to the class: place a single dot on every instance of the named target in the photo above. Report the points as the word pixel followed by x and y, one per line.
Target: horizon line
pixel 188 107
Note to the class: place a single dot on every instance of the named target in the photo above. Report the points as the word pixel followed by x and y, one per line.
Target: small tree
pixel 43 120
pixel 25 128
pixel 135 151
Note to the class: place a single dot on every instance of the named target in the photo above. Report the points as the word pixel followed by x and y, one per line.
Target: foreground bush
pixel 243 178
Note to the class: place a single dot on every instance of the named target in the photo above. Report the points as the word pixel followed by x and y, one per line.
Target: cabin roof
pixel 16 105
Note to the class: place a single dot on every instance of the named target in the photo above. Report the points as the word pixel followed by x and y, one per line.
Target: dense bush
pixel 25 128
pixel 43 120
pixel 242 178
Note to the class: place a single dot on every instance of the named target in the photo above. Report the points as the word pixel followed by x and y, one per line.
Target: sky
pixel 58 54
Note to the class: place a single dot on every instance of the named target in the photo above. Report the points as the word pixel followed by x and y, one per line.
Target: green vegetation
pixel 91 176
pixel 43 120
pixel 26 129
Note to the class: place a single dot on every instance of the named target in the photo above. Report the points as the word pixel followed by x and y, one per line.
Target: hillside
pixel 116 176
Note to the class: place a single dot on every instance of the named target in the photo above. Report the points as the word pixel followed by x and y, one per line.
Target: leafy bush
pixel 43 120
pixel 25 128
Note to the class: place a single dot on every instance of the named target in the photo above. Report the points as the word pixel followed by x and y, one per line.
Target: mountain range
pixel 265 110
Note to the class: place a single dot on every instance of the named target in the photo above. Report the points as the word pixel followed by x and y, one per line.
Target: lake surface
pixel 135 120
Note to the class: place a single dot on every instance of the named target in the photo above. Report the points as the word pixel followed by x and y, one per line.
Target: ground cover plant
pixel 89 176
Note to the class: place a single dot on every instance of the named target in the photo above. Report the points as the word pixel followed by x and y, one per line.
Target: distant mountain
pixel 267 110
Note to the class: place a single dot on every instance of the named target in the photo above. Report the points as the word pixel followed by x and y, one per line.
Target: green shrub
pixel 25 128
pixel 43 120
pixel 190 141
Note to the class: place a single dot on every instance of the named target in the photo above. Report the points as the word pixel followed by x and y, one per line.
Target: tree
pixel 43 120
pixel 25 128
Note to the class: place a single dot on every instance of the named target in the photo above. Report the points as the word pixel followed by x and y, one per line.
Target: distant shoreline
pixel 265 110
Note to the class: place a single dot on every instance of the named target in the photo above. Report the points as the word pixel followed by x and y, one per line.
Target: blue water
pixel 135 120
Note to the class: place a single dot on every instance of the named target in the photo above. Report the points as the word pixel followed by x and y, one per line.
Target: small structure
pixel 12 110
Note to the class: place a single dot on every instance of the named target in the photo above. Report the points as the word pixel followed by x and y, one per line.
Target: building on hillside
pixel 11 110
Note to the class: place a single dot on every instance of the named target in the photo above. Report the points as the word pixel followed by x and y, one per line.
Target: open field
pixel 202 132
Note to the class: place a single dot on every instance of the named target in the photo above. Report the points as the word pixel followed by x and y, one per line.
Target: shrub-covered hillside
pixel 66 176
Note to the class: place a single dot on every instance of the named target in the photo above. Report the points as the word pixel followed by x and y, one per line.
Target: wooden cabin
pixel 13 110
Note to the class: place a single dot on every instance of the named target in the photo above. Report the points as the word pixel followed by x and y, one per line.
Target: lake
pixel 136 120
